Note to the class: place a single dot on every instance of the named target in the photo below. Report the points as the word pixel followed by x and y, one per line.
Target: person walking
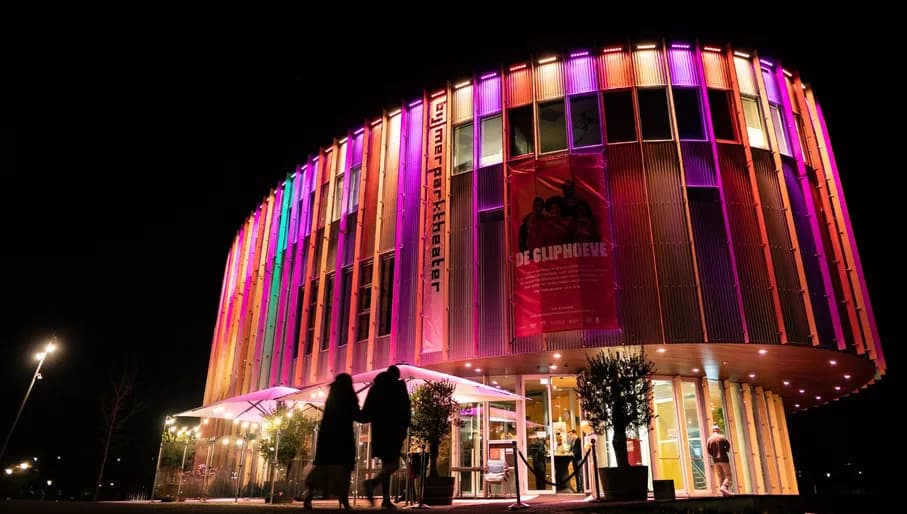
pixel 335 453
pixel 387 408
pixel 719 449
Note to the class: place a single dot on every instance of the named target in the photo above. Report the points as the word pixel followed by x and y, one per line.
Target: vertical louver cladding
pixel 812 266
pixel 616 69
pixel 751 267
pixel 549 80
pixel 633 249
pixel 388 206
pixel 462 303
pixel 815 189
pixel 716 71
pixel 489 95
pixel 372 177
pixel 781 246
pixel 519 86
pixel 673 252
pixel 698 164
pixel 649 67
pixel 683 67
pixel 408 235
pixel 490 187
pixel 580 74
pixel 716 275
pixel 491 283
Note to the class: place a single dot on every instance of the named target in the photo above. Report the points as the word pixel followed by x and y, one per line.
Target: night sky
pixel 141 141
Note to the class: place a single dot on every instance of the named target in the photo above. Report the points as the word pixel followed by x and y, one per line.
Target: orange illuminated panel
pixel 616 69
pixel 519 86
pixel 549 80
pixel 716 74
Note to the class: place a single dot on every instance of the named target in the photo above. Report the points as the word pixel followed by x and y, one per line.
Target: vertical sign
pixel 435 218
pixel 561 238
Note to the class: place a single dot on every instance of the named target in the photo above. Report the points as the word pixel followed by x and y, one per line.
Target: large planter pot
pixel 438 490
pixel 625 484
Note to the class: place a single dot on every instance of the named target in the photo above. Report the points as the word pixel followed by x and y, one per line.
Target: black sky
pixel 141 141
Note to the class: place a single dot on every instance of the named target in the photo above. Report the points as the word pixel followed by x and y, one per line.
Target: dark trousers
pixel 578 469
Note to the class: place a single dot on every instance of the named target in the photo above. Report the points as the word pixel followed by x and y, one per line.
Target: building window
pixel 492 149
pixel 338 198
pixel 364 307
pixel 585 122
pixel 780 130
pixel 552 127
pixel 620 125
pixel 323 205
pixel 689 115
pixel 300 297
pixel 801 139
pixel 352 200
pixel 755 125
pixel 328 311
pixel 722 121
pixel 520 125
pixel 653 114
pixel 463 147
pixel 346 291
pixel 386 294
pixel 308 213
pixel 310 325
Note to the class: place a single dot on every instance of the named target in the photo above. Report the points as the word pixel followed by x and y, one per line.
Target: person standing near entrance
pixel 387 408
pixel 576 446
pixel 719 449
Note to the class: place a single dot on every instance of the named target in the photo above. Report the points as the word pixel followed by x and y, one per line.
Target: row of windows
pixel 586 127
pixel 363 304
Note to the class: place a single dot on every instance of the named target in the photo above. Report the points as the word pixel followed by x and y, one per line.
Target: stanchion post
pixel 516 477
pixel 423 463
pixel 595 470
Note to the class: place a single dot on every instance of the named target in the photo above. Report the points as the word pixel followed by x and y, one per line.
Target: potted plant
pixel 434 412
pixel 615 390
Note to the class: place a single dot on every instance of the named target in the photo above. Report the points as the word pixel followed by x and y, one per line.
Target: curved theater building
pixel 676 196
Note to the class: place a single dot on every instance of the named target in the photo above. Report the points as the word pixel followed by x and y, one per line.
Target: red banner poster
pixel 561 239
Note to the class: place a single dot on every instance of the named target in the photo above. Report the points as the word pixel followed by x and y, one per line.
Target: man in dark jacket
pixel 719 448
pixel 387 407
pixel 576 448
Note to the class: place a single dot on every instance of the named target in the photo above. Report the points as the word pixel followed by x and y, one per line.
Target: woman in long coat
pixel 335 453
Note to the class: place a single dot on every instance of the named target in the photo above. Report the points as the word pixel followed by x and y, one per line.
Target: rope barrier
pixel 559 485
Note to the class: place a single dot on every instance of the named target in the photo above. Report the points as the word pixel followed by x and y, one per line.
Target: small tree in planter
pixel 434 412
pixel 615 389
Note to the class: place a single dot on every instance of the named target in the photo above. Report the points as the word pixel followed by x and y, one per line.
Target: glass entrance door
pixel 552 422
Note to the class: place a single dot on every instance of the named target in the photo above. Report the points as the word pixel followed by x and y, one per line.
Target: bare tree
pixel 116 409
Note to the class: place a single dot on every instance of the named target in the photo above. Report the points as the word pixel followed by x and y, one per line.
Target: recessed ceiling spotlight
pixel 762 351
pixel 786 382
pixel 752 375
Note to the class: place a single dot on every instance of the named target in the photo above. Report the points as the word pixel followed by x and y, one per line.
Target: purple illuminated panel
pixel 404 335
pixel 356 149
pixel 771 87
pixel 580 72
pixel 683 67
pixel 488 96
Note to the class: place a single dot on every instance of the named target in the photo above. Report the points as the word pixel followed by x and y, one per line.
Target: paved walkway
pixel 548 504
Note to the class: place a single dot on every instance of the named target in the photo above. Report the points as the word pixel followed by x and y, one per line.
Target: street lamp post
pixel 51 346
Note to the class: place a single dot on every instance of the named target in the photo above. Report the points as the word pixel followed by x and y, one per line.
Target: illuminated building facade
pixel 677 196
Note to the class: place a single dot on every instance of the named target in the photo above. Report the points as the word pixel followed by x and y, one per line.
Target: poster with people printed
pixel 561 238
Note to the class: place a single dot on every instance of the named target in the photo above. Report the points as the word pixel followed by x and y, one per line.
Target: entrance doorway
pixel 553 416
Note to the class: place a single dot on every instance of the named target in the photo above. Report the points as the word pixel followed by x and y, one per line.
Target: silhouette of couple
pixel 387 408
